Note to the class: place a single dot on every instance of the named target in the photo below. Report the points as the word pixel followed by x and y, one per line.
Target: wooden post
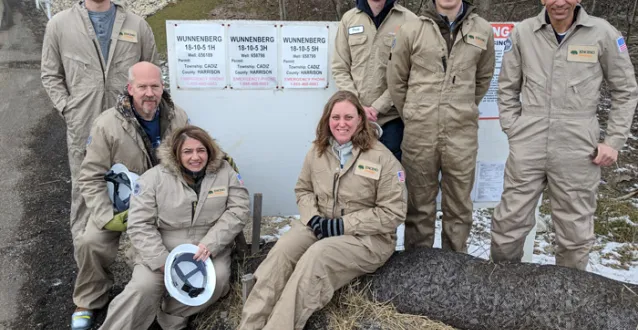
pixel 256 223
pixel 247 283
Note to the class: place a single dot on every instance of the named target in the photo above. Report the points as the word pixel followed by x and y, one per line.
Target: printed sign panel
pixel 304 60
pixel 252 50
pixel 201 55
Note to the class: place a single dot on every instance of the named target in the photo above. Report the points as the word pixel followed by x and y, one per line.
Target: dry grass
pixel 227 310
pixel 351 309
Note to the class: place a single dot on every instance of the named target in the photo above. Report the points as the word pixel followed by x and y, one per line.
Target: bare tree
pixel 484 7
pixel 630 22
pixel 336 7
pixel 282 10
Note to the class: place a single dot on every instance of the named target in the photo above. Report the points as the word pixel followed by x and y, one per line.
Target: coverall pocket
pixel 469 59
pixel 357 49
pixel 213 208
pixel 121 65
pixel 384 49
pixel 583 89
pixel 78 71
pixel 533 93
pixel 428 64
pixel 511 131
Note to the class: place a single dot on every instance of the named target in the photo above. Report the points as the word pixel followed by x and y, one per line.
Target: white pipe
pixel 47 4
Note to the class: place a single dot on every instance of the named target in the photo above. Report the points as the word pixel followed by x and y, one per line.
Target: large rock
pixel 470 293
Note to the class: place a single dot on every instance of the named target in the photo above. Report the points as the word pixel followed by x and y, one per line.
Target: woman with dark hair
pixel 194 196
pixel 351 196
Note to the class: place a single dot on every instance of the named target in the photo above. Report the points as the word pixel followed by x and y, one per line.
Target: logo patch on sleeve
pixel 622 46
pixel 240 180
pixel 401 176
pixel 137 189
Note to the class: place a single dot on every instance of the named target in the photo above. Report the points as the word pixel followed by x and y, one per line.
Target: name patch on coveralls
pixel 367 169
pixel 585 54
pixel 355 29
pixel 128 35
pixel 217 192
pixel 477 40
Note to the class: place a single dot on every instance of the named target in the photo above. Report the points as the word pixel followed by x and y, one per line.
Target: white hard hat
pixel 120 183
pixel 189 281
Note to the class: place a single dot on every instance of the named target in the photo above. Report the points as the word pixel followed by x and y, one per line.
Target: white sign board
pixel 488 109
pixel 200 55
pixel 252 51
pixel 304 57
pixel 268 130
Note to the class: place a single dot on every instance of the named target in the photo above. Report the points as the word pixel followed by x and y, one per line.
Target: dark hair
pixel 193 132
pixel 364 135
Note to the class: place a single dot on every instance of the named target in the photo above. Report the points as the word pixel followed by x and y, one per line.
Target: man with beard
pixel 549 87
pixel 440 69
pixel 86 52
pixel 129 134
pixel 362 48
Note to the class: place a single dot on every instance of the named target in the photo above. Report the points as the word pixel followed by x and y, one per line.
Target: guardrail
pixel 44 5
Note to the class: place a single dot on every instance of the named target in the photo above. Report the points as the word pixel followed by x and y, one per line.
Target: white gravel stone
pixel 143 8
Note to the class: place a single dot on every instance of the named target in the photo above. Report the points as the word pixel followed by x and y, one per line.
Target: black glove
pixel 323 227
pixel 315 225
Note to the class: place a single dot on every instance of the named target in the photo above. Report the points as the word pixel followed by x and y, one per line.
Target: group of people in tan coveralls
pixel 403 125
pixel 99 69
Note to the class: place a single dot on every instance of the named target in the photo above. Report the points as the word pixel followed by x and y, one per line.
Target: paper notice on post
pixel 304 60
pixel 252 50
pixel 201 55
pixel 489 181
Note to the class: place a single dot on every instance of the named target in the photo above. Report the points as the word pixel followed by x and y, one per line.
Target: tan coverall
pixel 82 84
pixel 361 56
pixel 300 274
pixel 548 97
pixel 165 213
pixel 116 137
pixel 437 91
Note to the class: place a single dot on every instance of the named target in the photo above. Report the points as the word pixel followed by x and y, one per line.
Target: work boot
pixel 82 319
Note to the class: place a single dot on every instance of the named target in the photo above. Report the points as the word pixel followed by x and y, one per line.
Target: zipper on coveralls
pixel 335 197
pixel 193 208
pixel 97 49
